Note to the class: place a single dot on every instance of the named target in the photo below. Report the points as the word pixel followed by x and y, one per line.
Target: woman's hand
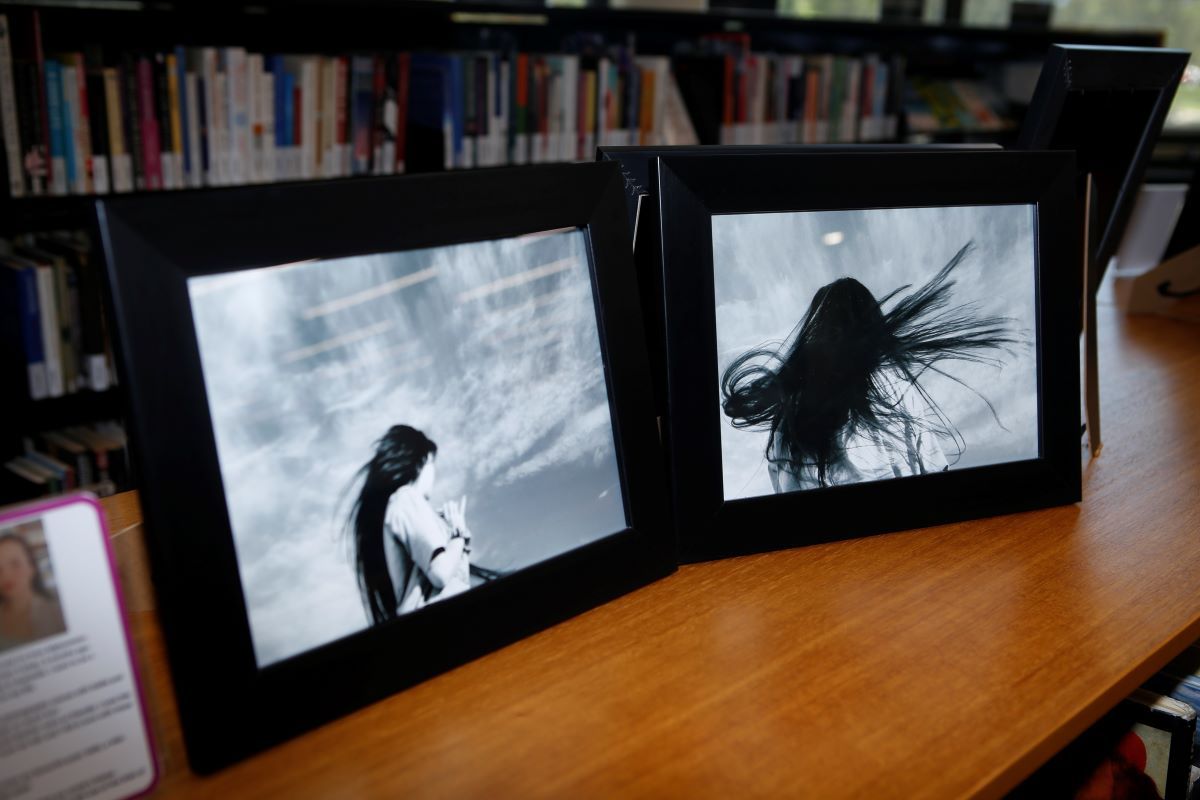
pixel 455 514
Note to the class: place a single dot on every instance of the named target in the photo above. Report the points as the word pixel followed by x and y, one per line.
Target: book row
pixel 92 122
pixel 53 316
pixel 768 98
pixel 90 457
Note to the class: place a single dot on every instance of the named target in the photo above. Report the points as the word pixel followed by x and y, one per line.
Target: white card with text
pixel 72 720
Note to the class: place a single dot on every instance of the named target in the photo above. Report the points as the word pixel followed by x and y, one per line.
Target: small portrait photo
pixel 396 429
pixel 871 344
pixel 29 605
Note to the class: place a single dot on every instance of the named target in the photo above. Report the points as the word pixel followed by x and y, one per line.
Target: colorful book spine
pixel 254 130
pixel 162 115
pixel 98 126
pixel 42 102
pixel 219 122
pixel 569 150
pixel 185 112
pixel 327 149
pixel 83 125
pixel 402 94
pixel 520 92
pixel 132 121
pixel 51 335
pixel 61 476
pixel 362 78
pixel 67 449
pixel 9 123
pixel 22 282
pixel 238 121
pixel 174 140
pixel 282 88
pixel 537 110
pixel 212 99
pixel 497 94
pixel 68 321
pixel 254 116
pixel 267 122
pixel 591 99
pixel 389 116
pixel 287 126
pixel 200 150
pixel 308 135
pixel 341 108
pixel 168 164
pixel 58 141
pixel 297 101
pixel 71 124
pixel 469 112
pixel 148 122
pixel 34 157
pixel 379 131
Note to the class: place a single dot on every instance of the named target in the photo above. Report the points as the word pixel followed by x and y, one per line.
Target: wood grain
pixel 943 662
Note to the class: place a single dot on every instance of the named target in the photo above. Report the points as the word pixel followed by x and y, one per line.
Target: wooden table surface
pixel 943 662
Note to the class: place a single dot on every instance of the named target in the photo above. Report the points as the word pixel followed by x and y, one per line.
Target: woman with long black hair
pixel 844 403
pixel 406 554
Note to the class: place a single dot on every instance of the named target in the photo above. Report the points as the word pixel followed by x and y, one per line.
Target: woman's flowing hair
pixel 39 583
pixel 833 379
pixel 399 456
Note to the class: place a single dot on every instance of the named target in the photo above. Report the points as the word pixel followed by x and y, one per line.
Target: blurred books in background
pixel 961 106
pixel 89 457
pixel 1144 748
pixel 55 338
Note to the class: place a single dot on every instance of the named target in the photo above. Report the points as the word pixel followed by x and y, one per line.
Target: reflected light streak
pixel 338 341
pixel 545 298
pixel 519 279
pixel 375 292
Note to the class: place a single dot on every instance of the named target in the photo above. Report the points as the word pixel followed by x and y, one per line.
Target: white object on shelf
pixel 1151 224
pixel 1170 289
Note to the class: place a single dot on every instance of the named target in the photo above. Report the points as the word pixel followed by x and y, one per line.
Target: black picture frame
pixel 692 191
pixel 1108 104
pixel 229 707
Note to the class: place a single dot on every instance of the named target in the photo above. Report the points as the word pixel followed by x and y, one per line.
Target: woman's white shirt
pixel 414 534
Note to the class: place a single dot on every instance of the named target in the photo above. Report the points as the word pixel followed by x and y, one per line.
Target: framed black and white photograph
pixel 639 174
pixel 1108 104
pixel 381 428
pixel 866 342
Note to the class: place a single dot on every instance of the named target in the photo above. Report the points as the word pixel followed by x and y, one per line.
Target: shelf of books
pixel 56 358
pixel 98 100
pixel 81 118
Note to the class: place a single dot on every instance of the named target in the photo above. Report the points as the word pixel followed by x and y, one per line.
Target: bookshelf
pixel 363 26
pixel 945 662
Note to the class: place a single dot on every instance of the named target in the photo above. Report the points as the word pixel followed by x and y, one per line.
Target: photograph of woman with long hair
pixel 397 429
pixel 871 386
pixel 406 554
pixel 844 402
pixel 29 610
